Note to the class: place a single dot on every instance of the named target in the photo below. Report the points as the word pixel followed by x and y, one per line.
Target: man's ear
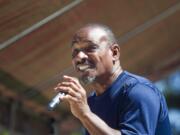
pixel 115 52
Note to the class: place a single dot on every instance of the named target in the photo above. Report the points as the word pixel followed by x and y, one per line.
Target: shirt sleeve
pixel 141 111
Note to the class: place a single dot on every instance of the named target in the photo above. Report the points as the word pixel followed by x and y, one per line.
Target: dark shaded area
pixel 22 90
pixel 173 100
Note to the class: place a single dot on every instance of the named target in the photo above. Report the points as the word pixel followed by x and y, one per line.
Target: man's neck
pixel 101 85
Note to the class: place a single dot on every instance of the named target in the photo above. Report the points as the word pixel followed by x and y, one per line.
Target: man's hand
pixel 76 96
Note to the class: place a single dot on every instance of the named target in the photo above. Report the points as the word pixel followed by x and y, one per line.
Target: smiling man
pixel 121 103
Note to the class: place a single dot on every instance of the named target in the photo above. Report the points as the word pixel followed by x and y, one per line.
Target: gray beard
pixel 87 80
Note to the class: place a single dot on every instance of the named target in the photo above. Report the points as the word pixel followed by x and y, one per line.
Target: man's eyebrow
pixel 79 41
pixel 91 43
pixel 87 42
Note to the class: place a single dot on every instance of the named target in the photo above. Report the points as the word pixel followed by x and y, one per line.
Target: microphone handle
pixel 55 101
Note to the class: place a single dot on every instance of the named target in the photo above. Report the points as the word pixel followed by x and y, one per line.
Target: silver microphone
pixel 55 101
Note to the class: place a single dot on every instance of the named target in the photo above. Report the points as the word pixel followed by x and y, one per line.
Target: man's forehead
pixel 89 35
pixel 96 34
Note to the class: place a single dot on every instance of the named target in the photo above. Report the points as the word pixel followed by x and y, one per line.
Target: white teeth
pixel 83 67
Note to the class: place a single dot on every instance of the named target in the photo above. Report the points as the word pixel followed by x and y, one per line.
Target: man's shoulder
pixel 137 85
pixel 132 79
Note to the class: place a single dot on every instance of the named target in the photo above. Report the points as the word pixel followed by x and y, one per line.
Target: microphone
pixel 55 101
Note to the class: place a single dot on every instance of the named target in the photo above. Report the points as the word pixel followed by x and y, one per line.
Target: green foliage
pixel 4 132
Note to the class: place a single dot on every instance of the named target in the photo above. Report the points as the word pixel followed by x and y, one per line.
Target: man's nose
pixel 81 55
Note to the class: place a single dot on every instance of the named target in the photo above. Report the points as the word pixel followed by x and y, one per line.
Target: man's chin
pixel 87 79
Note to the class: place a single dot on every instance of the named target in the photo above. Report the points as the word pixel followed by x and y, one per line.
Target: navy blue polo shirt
pixel 132 105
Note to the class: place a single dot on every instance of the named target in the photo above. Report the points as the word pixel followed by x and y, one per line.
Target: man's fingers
pixel 70 84
pixel 69 98
pixel 76 82
pixel 71 79
pixel 68 91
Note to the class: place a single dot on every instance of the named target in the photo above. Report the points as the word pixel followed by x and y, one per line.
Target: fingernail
pixel 55 88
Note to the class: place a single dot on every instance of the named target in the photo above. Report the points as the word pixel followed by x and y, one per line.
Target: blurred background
pixel 35 52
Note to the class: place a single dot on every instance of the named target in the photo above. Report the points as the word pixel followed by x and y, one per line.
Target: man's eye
pixel 74 53
pixel 84 50
pixel 91 49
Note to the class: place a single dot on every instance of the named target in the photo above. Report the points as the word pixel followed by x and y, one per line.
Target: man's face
pixel 92 57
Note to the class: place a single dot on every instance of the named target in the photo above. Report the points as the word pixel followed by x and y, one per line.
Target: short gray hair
pixel 110 35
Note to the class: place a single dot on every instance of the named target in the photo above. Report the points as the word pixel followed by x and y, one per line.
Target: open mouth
pixel 83 67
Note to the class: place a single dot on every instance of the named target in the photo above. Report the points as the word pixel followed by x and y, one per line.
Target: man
pixel 122 103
